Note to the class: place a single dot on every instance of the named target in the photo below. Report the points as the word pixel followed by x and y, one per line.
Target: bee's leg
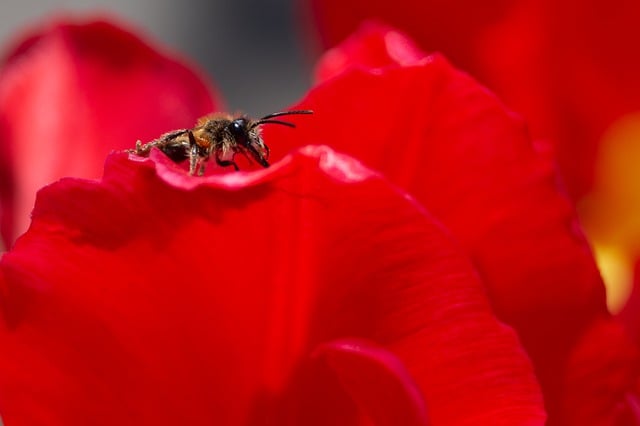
pixel 141 149
pixel 193 154
pixel 226 163
pixel 203 166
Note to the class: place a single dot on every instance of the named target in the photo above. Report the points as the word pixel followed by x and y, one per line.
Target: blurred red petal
pixel 571 73
pixel 448 26
pixel 143 300
pixel 568 67
pixel 603 369
pixel 454 146
pixel 70 93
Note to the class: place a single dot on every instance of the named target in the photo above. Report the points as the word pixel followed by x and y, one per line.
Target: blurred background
pixel 252 49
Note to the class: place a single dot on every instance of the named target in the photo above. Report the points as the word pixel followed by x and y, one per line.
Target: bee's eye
pixel 237 128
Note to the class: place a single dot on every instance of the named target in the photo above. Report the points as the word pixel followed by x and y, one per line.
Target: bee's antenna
pixel 278 114
pixel 261 121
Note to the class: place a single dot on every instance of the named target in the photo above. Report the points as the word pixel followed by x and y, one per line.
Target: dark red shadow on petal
pixel 377 381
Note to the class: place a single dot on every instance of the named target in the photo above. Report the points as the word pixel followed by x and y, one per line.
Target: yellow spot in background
pixel 617 273
pixel 611 213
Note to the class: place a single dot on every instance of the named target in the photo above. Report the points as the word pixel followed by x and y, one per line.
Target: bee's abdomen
pixel 176 152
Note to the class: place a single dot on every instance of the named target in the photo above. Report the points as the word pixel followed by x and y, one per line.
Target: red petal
pixel 142 299
pixel 70 93
pixel 453 146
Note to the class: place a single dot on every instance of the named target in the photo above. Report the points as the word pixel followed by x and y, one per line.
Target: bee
pixel 219 136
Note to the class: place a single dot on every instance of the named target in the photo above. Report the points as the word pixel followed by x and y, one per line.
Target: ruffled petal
pixel 143 299
pixel 70 93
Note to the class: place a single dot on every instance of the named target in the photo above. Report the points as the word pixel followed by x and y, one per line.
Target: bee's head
pixel 246 133
pixel 247 136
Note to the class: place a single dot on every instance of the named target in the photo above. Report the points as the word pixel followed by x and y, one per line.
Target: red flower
pixel 70 94
pixel 318 291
